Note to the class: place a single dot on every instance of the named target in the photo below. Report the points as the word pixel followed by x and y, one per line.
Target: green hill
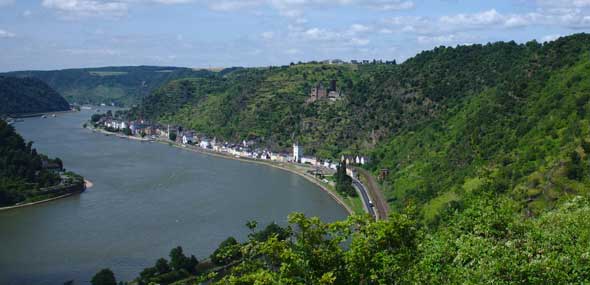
pixel 28 95
pixel 445 122
pixel 27 176
pixel 488 152
pixel 124 85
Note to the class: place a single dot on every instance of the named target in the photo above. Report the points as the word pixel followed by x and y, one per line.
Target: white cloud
pixel 170 2
pixel 390 5
pixel 5 34
pixel 359 42
pixel 358 28
pixel 487 19
pixel 97 51
pixel 232 5
pixel 296 8
pixel 79 8
pixel 27 13
pixel 267 35
pixel 437 40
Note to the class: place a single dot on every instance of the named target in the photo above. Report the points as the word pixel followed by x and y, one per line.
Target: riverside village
pixel 250 149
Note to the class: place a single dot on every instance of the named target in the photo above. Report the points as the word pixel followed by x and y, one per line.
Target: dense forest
pixel 488 152
pixel 28 95
pixel 25 175
pixel 123 86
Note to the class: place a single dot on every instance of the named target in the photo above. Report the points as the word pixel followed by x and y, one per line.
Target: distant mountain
pixel 125 85
pixel 29 95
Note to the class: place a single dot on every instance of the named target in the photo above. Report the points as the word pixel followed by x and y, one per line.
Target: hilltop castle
pixel 319 92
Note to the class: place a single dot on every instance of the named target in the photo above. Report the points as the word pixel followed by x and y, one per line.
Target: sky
pixel 57 34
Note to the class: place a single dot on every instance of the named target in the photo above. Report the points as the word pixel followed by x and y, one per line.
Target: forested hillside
pixel 488 152
pixel 124 85
pixel 26 174
pixel 28 95
pixel 445 122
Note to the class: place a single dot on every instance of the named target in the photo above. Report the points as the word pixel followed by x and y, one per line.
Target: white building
pixel 204 144
pixel 187 138
pixel 297 152
pixel 309 160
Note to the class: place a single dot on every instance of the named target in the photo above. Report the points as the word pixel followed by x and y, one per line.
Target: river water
pixel 147 198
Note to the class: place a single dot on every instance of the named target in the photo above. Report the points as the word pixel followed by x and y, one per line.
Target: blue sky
pixel 55 34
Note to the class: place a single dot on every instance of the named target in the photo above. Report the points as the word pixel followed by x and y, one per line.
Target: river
pixel 147 198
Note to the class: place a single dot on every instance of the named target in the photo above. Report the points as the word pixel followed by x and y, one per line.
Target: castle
pixel 319 92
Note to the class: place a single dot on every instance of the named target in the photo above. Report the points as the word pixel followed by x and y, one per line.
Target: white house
pixel 309 160
pixel 204 144
pixel 187 138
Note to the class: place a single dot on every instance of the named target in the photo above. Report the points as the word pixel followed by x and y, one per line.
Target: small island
pixel 27 177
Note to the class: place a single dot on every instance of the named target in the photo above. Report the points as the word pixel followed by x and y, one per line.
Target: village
pixel 250 149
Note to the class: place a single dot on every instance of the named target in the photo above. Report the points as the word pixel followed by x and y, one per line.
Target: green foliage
pixel 487 147
pixel 178 261
pixel 488 241
pixel 95 117
pixel 271 230
pixel 228 251
pixel 104 277
pixel 28 95
pixel 172 136
pixel 343 181
pixel 21 168
pixel 511 130
pixel 162 266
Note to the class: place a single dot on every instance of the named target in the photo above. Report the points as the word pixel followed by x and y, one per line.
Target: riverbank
pixel 118 135
pixel 73 189
pixel 88 184
pixel 31 115
pixel 294 169
pixel 283 167
pixel 37 203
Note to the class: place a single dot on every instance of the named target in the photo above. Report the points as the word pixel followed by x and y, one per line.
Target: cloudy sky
pixel 55 34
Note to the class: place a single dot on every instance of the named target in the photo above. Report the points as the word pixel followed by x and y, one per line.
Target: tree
pixel 178 261
pixel 343 181
pixel 575 170
pixel 228 251
pixel 162 266
pixel 586 146
pixel 95 117
pixel 104 277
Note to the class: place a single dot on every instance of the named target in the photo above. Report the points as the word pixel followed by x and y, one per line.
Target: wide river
pixel 147 198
